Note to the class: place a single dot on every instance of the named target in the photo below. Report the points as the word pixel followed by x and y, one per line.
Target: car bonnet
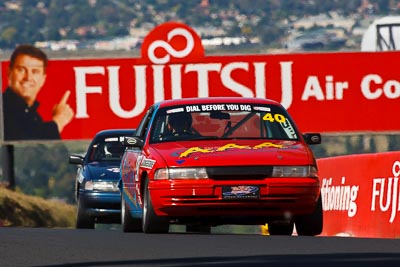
pixel 103 170
pixel 234 152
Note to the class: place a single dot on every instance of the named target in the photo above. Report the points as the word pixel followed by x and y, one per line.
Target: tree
pixel 43 170
pixel 7 36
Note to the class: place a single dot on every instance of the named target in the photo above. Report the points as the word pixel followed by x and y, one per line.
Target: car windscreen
pixel 222 121
pixel 107 149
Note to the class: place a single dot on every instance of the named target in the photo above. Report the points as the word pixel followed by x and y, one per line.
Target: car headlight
pixel 295 171
pixel 181 173
pixel 102 186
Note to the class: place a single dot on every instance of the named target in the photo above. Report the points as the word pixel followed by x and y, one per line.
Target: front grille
pixel 239 172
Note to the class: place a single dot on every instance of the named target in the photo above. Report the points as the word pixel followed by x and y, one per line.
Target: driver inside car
pixel 180 124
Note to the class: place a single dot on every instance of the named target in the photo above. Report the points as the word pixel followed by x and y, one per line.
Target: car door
pixel 130 165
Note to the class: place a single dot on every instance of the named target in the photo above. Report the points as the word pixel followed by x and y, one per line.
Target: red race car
pixel 203 162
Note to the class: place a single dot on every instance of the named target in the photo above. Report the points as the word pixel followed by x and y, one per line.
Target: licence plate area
pixel 241 192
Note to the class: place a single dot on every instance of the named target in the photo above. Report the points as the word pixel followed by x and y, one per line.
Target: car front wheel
pixel 311 225
pixel 280 228
pixel 129 224
pixel 196 228
pixel 152 223
pixel 83 220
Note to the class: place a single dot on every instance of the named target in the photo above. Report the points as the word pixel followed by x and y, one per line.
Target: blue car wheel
pixel 83 220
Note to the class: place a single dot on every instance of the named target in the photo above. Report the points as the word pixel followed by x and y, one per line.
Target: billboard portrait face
pixel 26 77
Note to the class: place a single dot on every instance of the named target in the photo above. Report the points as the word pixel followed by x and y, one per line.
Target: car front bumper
pixel 98 204
pixel 278 198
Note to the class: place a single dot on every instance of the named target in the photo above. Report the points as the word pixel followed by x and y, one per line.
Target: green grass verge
pixel 17 209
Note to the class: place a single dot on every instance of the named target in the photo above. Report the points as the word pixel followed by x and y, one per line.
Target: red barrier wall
pixel 361 196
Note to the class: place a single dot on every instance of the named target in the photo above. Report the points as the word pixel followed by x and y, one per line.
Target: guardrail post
pixel 7 153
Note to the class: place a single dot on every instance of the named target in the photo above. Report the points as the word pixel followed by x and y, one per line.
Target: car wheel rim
pixel 145 209
pixel 123 210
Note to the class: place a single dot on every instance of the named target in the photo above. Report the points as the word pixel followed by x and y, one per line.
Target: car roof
pixel 214 100
pixel 114 132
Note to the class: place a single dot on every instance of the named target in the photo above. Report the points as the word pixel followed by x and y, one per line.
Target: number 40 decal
pixel 276 117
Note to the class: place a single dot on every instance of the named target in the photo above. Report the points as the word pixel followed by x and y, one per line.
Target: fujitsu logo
pixel 173 66
pixel 386 193
pixel 172 43
pixel 171 51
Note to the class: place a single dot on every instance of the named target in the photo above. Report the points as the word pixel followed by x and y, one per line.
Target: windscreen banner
pixel 324 92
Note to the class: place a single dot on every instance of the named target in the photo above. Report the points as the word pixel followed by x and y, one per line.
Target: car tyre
pixel 280 228
pixel 152 223
pixel 128 223
pixel 198 228
pixel 311 225
pixel 83 220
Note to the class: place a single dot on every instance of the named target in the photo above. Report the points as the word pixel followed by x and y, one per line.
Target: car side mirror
pixel 76 159
pixel 132 141
pixel 312 138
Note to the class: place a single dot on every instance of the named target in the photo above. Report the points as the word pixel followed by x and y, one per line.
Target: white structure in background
pixel 382 35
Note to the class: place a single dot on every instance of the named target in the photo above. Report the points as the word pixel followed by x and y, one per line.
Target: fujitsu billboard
pixel 324 92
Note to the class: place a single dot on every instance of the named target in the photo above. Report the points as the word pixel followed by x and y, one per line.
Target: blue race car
pixel 96 186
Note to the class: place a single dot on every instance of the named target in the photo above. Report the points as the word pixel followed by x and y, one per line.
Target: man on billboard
pixel 26 76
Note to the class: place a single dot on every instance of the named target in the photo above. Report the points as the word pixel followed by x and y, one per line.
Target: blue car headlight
pixel 104 186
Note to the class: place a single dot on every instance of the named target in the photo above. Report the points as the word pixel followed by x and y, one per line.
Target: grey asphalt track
pixel 71 247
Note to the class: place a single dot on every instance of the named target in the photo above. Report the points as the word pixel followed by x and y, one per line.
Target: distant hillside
pixel 83 20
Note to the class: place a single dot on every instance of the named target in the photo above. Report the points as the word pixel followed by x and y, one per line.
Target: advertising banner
pixel 324 92
pixel 361 195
